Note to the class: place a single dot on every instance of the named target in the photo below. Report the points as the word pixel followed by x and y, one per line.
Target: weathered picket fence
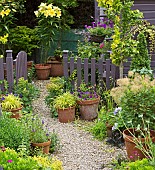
pixel 95 71
pixel 17 67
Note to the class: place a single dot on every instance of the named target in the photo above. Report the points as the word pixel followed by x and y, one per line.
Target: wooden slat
pixel 9 68
pixel 144 7
pixel 65 64
pixel 78 71
pixel 100 70
pixel 108 73
pixel 93 70
pixel 86 70
pixel 72 69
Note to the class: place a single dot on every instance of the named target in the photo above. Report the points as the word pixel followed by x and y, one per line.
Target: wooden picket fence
pixel 95 71
pixel 17 67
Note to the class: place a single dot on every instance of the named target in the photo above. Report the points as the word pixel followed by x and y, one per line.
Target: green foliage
pixel 141 60
pixel 13 133
pixel 100 31
pixel 27 43
pixel 10 102
pixel 99 130
pixel 55 144
pixel 27 91
pixel 10 159
pixel 54 88
pixel 36 128
pixel 64 101
pixel 93 50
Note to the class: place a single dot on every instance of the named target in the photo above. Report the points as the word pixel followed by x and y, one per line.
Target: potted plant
pixel 65 105
pixel 135 96
pixel 88 101
pixel 48 18
pixel 39 135
pixel 12 103
pixel 98 31
pixel 56 63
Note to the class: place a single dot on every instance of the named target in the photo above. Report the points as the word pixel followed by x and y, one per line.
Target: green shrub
pixel 13 133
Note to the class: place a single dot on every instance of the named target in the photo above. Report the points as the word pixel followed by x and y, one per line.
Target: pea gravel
pixel 79 150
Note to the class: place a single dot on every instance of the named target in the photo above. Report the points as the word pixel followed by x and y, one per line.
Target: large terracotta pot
pixel 133 152
pixel 45 146
pixel 56 68
pixel 66 115
pixel 16 113
pixel 88 108
pixel 43 71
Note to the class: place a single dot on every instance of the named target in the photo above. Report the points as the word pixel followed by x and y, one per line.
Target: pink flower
pixel 131 157
pixel 101 45
pixel 10 161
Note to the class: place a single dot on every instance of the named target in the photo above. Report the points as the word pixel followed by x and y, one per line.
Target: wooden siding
pixel 19 65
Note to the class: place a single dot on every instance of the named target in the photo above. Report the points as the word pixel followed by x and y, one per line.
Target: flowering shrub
pixel 85 92
pixel 48 19
pixel 101 28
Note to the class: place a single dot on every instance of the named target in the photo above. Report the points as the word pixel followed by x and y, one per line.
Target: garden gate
pixel 106 71
pixel 19 65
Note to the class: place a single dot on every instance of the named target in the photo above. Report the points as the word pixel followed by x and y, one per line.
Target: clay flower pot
pixel 16 113
pixel 66 115
pixel 133 152
pixel 43 71
pixel 88 108
pixel 45 146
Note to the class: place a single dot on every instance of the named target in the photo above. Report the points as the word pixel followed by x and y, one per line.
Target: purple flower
pixel 43 122
pixel 47 134
pixel 3 98
pixel 117 110
pixel 16 95
pixel 20 95
pixel 9 161
pixel 33 130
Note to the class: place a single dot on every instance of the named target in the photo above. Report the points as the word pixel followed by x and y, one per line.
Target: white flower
pixel 115 126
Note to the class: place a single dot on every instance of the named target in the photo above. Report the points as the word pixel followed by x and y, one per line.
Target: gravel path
pixel 79 151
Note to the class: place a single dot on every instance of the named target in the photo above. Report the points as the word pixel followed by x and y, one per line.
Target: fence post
pixel 65 63
pixel 9 69
pixel 108 74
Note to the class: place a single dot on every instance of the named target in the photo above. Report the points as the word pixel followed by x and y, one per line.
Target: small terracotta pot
pixel 66 115
pixel 88 108
pixel 133 152
pixel 16 113
pixel 45 146
pixel 43 71
pixel 56 68
pixel 29 64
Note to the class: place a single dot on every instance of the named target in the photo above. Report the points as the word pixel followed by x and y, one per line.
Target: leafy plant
pixel 85 92
pixel 27 91
pixel 64 101
pixel 37 130
pixel 13 133
pixel 136 97
pixel 27 43
pixel 54 88
pixel 10 102
pixel 55 144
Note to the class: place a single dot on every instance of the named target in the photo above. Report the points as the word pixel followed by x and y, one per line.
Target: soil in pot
pixel 133 152
pixel 66 115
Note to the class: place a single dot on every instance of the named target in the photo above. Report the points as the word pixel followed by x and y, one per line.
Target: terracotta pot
pixel 43 71
pixel 66 115
pixel 97 39
pixel 56 68
pixel 88 108
pixel 16 113
pixel 45 146
pixel 133 152
pixel 29 64
pixel 109 130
